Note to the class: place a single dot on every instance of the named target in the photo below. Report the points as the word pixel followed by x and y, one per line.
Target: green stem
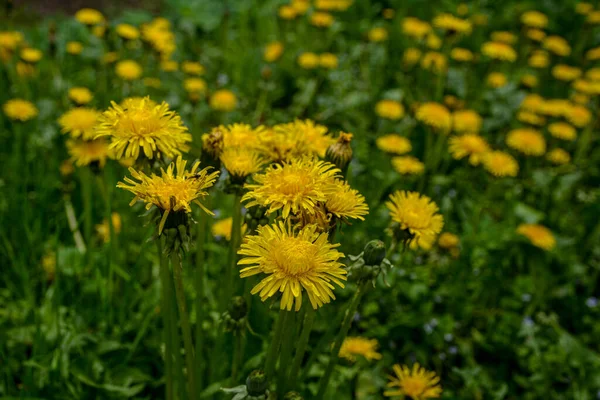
pixel 309 319
pixel 583 144
pixel 273 349
pixel 288 338
pixel 199 283
pixel 185 322
pixel 236 227
pixel 86 187
pixel 340 339
pixel 237 355
pixel 167 319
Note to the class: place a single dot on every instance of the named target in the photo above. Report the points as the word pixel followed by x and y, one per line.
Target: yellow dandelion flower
pixel 394 144
pixel 434 61
pixel 328 60
pixel 321 19
pixel 562 130
pixel 20 110
pixel 49 265
pixel 86 152
pixel 461 55
pixel 127 31
pixel 500 164
pixel 89 16
pixel 345 202
pixel 583 8
pixel 66 168
pixel 538 235
pixel 192 68
pixel 496 80
pixel 10 40
pixel 155 129
pixel 294 263
pixel 593 74
pixel 565 72
pixel 452 24
pixel 138 102
pixel 435 115
pixel 241 162
pixel 580 98
pixel 389 109
pixel 128 70
pixel 74 48
pixel 79 122
pixel 534 19
pixel 529 81
pixel 448 240
pixel 433 41
pixel 238 135
pixel 504 37
pixel 301 6
pixel 223 100
pixel 533 102
pixel 539 59
pixel 558 156
pixel 527 141
pixel 536 35
pixel 157 33
pixel 222 228
pixel 273 51
pixel 80 95
pixel 307 137
pixel 359 346
pixel 557 45
pixel 408 165
pixel 99 30
pixel 174 191
pixel 469 144
pixel 593 18
pixel 25 70
pixel 415 28
pixel 411 56
pixel 418 383
pixel 31 55
pixel 417 214
pixel 499 51
pixel 308 60
pixel 194 85
pixel 287 12
pixel 578 115
pixel 378 34
pixel 169 65
pixel 554 107
pixel 531 118
pixel 466 121
pixel 103 229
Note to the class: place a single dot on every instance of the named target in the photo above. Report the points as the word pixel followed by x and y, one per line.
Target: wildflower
pixel 562 130
pixel 418 383
pixel 222 228
pixel 533 102
pixel 529 81
pixel 452 24
pixel 389 109
pixel 321 19
pixel 10 40
pixel 500 164
pixel 80 95
pixel 394 144
pixel 534 19
pixel 172 192
pixel 499 51
pixel 25 69
pixel 79 122
pixel 194 85
pixel 86 152
pixel 169 65
pixel 578 115
pixel 138 102
pixel 223 100
pixel 583 8
pixel 593 74
pixel 127 31
pixel 308 60
pixel 531 118
pixel 49 265
pixel 89 16
pixel 580 98
pixel 344 202
pixel 527 141
pixel 554 107
pixel 159 36
pixel 496 80
pixel 294 263
pixel 408 165
pixel 74 48
pixel 557 45
pixel 287 12
pixel 31 55
pixel 433 41
pixel 538 235
pixel 448 240
pixel 415 28
pixel 301 137
pixel 192 68
pixel 593 18
pixel 340 152
pixel 539 59
pixel 453 102
pixel 435 115
pixel 565 72
pixel 19 110
pixel 378 34
pixel 536 35
pixel 353 346
pixel 153 128
pixel 328 60
pixel 99 30
pixel 301 6
pixel 558 156
pixel 128 70
pixel 103 229
pixel 504 37
pixel 434 61
pixel 464 121
pixel 461 55
pixel 411 56
pixel 241 162
pixel 416 214
pixel 469 144
pixel 66 168
pixel 273 51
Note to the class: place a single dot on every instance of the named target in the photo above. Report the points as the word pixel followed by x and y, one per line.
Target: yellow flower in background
pixel 417 214
pixel 79 122
pixel 434 61
pixel 394 144
pixel 128 70
pixel 222 228
pixel 452 24
pixel 31 55
pixel 89 16
pixel 461 55
pixel 153 128
pixel 418 383
pixel 20 110
pixel 174 191
pixel 529 80
pixel 469 144
pixel 328 60
pixel 138 102
pixel 500 164
pixel 557 45
pixel 333 5
pixel 415 28
pixel 389 109
pixel 496 80
pixel 433 41
pixel 466 121
pixel 448 240
pixel 194 85
pixel 378 35
pixel 436 116
pixel 408 165
pixel 499 51
pixel 536 35
pixel 453 102
pixel 593 18
pixel 321 19
pixel 169 65
pixel 308 60
pixel 293 187
pixel 25 69
pixel 583 8
pixel 344 202
pixel 313 138
pixel 127 31
pixel 49 264
pixel 74 48
pixel 359 346
pixel 99 30
pixel 533 102
pixel 534 19
pixel 530 118
pixel 580 98
pixel 86 152
pixel 241 162
pixel 293 262
pixel 110 57
pixel 558 156
pixel 593 74
pixel 10 40
pixel 152 82
pixel 565 72
pixel 539 59
pixel 411 56
pixel 273 51
pixel 578 115
pixel 287 12
pixel 103 229
pixel 504 37
pixel 301 6
pixel 80 95
pixel 562 130
pixel 538 235
pixel 192 68
pixel 223 100
pixel 527 141
pixel 554 107
pixel 158 34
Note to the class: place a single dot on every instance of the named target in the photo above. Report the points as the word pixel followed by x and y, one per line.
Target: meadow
pixel 301 199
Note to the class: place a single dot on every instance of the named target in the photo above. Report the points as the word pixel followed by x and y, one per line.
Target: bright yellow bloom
pixel 359 346
pixel 466 121
pixel 80 95
pixel 434 61
pixel 31 55
pixel 86 152
pixel 504 37
pixel 103 229
pixel 394 144
pixel 529 80
pixel 287 12
pixel 531 118
pixel 527 141
pixel 418 383
pixel 578 115
pixel 328 60
pixel 554 107
pixel 433 41
pixel 308 138
pixel 452 24
pixel 436 116
pixel 378 34
pixel 241 162
pixel 580 98
pixel 461 55
pixel 408 165
pixel 20 110
pixel 389 109
pixel 562 130
pixel 308 60
pixel 411 56
pixel 557 45
pixel 538 235
pixel 448 240
pixel 415 28
pixel 344 202
pixel 469 144
pixel 128 70
pixel 333 5
pixel 294 263
pixel 593 18
pixel 539 59
pixel 10 40
pixel 158 34
pixel 558 156
pixel 321 19
pixel 496 80
pixel 536 35
pixel 153 128
pixel 417 214
pixel 301 6
pixel 534 19
pixel 79 122
pixel 194 85
pixel 192 68
pixel 89 16
pixel 172 191
pixel 273 51
pixel 127 31
pixel 566 72
pixel 223 100
pixel 500 164
pixel 533 102
pixel 293 187
pixel 499 51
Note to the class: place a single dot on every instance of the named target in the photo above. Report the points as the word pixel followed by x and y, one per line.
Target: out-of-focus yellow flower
pixel 194 85
pixel 580 98
pixel 25 70
pixel 452 24
pixel 158 34
pixel 539 59
pixel 308 60
pixel 499 51
pixel 433 41
pixel 192 68
pixel 448 240
pixel 436 116
pixel 328 60
pixel 435 62
pixel 533 102
pixel 127 31
pixel 20 110
pixel 466 121
pixel 10 40
pixel 558 156
pixel 223 100
pixel 453 102
pixel 469 144
pixel 389 109
pixel 359 346
pixel 31 55
pixel 89 16
pixel 169 65
pixel 461 55
pixel 593 18
pixel 534 19
pixel 562 130
pixel 536 35
pixel 74 48
pixel 554 107
pixel 378 34
pixel 79 122
pixel 287 12
pixel 527 141
pixel 86 152
pixel 222 228
pixel 103 229
pixel 408 165
pixel 152 82
pixel 578 115
pixel 500 164
pixel 593 74
pixel 496 80
pixel 565 72
pixel 415 28
pixel 99 30
pixel 529 80
pixel 394 144
pixel 557 45
pixel 593 54
pixel 333 5
pixel 583 8
pixel 538 235
pixel 241 162
pixel 301 6
pixel 273 51
pixel 530 118
pixel 504 37
pixel 49 264
pixel 80 95
pixel 321 19
pixel 411 56
pixel 418 383
pixel 128 70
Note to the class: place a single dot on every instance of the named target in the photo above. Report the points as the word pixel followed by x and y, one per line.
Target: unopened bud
pixel 256 383
pixel 340 153
pixel 374 252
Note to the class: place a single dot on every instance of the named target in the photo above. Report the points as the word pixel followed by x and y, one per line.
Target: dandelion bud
pixel 374 252
pixel 340 153
pixel 212 148
pixel 367 265
pixel 238 308
pixel 257 384
pixel 292 396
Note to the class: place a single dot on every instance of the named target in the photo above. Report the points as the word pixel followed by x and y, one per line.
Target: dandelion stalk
pixel 234 243
pixel 238 354
pixel 274 347
pixel 86 193
pixel 199 286
pixel 309 319
pixel 167 319
pixel 288 339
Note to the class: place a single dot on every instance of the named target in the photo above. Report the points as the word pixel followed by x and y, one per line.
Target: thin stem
pixel 199 283
pixel 86 188
pixel 288 338
pixel 276 341
pixel 309 319
pixel 72 221
pixel 234 243
pixel 348 316
pixel 237 355
pixel 167 319
pixel 185 321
